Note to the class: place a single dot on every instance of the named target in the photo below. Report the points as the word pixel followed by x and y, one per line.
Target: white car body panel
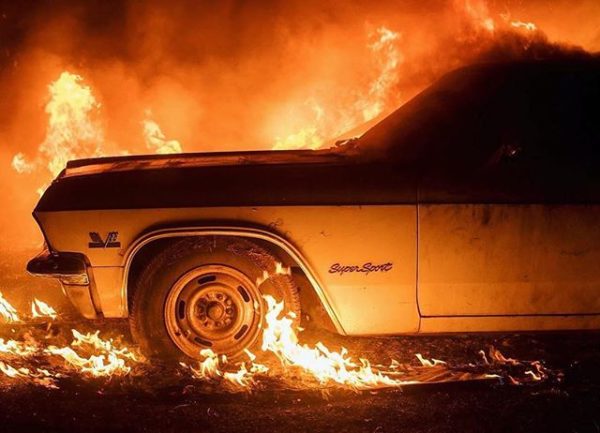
pixel 490 260
pixel 364 303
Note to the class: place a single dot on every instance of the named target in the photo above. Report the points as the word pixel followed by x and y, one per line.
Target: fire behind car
pixel 473 208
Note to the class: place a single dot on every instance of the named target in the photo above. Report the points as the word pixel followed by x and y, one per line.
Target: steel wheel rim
pixel 213 307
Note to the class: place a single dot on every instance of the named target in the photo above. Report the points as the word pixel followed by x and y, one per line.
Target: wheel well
pixel 314 313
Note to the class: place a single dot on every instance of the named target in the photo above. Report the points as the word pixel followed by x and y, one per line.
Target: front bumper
pixel 71 269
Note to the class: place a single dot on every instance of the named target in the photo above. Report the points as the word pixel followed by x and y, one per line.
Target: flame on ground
pixel 7 312
pixel 323 364
pixel 212 369
pixel 87 354
pixel 429 362
pixel 39 309
pixel 305 366
pixel 25 348
pixel 105 359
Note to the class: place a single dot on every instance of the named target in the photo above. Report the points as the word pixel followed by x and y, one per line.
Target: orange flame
pixel 111 360
pixel 40 376
pixel 372 101
pixel 478 14
pixel 211 368
pixel 17 348
pixel 156 140
pixel 7 311
pixel 306 138
pixel 74 130
pixel 321 363
pixel 429 362
pixel 387 54
pixel 92 356
pixel 40 309
pixel 531 27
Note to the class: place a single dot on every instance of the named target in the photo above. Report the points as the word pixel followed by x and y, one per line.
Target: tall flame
pixel 384 49
pixel 72 131
pixel 280 339
pixel 372 99
pixel 75 131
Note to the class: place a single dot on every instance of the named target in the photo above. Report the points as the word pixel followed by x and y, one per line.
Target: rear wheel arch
pixel 313 297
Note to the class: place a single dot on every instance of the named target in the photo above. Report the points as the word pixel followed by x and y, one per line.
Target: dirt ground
pixel 163 400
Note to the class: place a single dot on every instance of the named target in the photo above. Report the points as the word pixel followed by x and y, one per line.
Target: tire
pixel 207 293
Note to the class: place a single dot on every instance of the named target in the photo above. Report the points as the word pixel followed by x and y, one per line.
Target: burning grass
pixel 43 351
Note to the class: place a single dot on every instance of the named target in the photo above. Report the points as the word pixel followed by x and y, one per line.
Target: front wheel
pixel 207 293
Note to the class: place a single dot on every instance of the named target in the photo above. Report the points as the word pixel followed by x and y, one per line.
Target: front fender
pixel 251 233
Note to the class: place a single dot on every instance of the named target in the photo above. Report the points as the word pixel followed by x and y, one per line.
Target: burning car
pixel 472 208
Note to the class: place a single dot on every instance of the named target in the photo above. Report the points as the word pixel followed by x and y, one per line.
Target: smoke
pixel 240 75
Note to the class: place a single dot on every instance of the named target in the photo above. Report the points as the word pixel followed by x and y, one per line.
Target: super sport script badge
pixel 365 268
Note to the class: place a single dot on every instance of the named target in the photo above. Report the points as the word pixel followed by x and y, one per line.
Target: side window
pixel 549 148
pixel 530 139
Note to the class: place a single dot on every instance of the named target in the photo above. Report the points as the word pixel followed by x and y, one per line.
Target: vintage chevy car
pixel 475 207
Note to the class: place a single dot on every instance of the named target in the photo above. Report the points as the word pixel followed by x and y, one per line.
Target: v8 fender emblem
pixel 109 242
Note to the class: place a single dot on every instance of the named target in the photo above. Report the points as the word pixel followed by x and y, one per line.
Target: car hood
pixel 91 166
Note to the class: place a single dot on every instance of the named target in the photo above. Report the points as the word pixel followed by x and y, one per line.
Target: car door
pixel 516 231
